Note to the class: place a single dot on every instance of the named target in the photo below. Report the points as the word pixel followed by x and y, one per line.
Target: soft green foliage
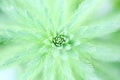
pixel 92 45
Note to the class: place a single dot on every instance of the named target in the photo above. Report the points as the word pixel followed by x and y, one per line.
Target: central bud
pixel 59 40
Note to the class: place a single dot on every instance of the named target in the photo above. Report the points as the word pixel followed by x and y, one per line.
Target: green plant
pixel 60 39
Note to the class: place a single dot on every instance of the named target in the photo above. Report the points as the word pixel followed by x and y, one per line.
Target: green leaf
pixel 99 28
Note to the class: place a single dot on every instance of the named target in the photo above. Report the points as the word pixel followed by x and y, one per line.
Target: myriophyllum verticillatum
pixel 60 39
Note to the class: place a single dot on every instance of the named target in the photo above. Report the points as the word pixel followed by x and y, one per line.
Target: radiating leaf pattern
pixel 29 27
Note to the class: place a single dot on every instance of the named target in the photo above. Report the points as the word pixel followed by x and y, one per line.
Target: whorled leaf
pixel 88 49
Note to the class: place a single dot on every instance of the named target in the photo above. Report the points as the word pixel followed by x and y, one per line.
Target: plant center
pixel 59 40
